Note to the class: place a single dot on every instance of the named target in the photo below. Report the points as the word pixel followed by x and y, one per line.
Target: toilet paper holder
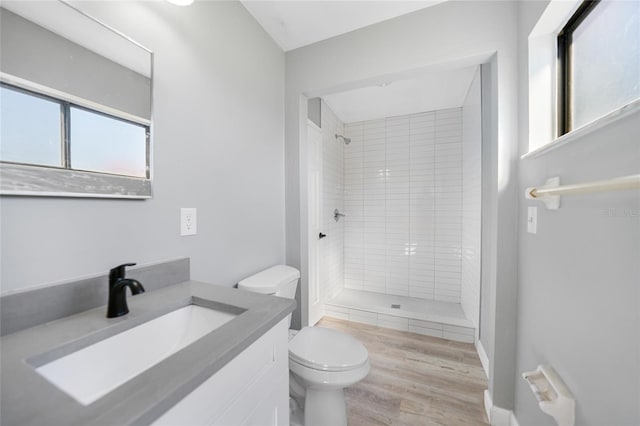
pixel 552 394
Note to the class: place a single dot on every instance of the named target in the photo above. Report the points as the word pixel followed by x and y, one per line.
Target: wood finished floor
pixel 414 379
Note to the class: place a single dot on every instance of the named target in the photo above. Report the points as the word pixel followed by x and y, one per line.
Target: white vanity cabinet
pixel 252 389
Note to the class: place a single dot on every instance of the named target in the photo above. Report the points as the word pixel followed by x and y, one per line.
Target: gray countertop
pixel 29 399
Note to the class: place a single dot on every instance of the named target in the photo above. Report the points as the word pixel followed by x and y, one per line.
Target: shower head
pixel 345 140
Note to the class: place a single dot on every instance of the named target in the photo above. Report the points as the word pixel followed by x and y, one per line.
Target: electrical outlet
pixel 188 221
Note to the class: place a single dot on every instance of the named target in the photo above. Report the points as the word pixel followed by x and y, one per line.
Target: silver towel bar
pixel 552 190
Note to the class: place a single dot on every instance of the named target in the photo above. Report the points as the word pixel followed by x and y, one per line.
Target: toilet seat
pixel 327 350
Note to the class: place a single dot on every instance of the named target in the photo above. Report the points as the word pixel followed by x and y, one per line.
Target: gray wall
pixel 488 249
pixel 218 118
pixel 579 276
pixel 460 32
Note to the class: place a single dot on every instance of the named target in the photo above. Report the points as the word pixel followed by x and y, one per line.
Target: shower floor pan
pixel 428 317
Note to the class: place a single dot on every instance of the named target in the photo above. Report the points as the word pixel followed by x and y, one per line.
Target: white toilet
pixel 322 362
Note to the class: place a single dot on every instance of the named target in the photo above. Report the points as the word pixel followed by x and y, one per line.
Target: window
pixel 44 131
pixel 599 62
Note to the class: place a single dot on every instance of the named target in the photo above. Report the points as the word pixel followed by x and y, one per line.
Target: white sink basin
pixel 94 371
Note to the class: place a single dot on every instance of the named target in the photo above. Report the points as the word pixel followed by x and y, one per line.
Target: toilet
pixel 322 362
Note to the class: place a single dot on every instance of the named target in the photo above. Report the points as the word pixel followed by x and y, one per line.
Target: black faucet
pixel 117 291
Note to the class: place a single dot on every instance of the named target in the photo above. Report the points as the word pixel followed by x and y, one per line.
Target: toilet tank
pixel 279 280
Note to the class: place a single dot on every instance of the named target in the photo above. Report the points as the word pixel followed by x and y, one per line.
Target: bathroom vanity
pixel 176 372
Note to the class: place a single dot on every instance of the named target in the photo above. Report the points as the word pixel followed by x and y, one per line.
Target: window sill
pixel 25 180
pixel 625 111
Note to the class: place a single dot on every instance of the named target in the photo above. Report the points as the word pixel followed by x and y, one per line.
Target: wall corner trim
pixel 498 416
pixel 484 359
pixel 513 421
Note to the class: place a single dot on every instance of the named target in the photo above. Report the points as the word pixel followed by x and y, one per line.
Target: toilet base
pixel 296 414
pixel 325 408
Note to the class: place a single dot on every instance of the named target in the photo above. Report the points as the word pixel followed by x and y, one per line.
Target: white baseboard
pixel 488 403
pixel 498 416
pixel 484 359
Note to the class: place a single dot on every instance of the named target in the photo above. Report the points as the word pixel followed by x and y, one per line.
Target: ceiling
pixel 294 24
pixel 427 92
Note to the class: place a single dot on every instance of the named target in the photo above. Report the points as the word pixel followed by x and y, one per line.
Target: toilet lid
pixel 328 350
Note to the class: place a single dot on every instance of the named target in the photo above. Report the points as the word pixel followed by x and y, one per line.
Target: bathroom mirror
pixel 75 113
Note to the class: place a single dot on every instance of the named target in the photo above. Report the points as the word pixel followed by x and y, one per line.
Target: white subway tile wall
pixel 403 201
pixel 332 247
pixel 448 211
pixel 354 207
pixel 422 203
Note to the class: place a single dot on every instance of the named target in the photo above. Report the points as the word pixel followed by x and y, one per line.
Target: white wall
pixel 218 146
pixel 579 275
pixel 463 33
pixel 404 205
pixel 331 247
pixel 471 200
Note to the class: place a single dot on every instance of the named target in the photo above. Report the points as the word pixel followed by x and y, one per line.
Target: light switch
pixel 532 220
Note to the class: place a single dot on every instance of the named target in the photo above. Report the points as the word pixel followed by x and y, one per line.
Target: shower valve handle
pixel 321 236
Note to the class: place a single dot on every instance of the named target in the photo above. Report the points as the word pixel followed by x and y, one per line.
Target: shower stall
pixel 403 250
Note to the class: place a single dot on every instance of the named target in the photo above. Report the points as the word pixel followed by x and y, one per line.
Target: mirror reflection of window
pixel 104 144
pixel 76 105
pixel 30 129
